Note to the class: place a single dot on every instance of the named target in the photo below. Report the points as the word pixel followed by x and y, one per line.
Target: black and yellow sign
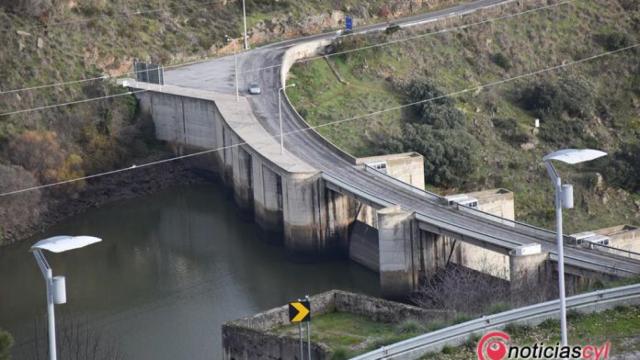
pixel 299 311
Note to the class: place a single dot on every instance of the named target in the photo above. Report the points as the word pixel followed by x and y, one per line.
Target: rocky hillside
pixel 52 41
pixel 486 138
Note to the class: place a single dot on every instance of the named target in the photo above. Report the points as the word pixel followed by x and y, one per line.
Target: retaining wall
pixel 252 337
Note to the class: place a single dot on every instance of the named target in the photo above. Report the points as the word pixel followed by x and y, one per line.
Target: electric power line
pixel 45 107
pixel 289 133
pixel 456 28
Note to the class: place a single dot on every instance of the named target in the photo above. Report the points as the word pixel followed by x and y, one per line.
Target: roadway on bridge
pixel 262 66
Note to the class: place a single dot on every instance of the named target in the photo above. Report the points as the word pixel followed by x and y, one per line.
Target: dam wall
pixel 282 193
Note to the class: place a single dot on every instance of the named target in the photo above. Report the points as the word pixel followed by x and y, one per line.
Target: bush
pixel 339 354
pixel 392 29
pixel 409 326
pixel 450 156
pixel 501 60
pixel 439 111
pixel 561 106
pixel 509 130
pixel 626 167
pixel 572 97
pixel 614 40
pixel 6 342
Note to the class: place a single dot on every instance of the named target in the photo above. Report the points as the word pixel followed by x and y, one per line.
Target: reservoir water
pixel 172 268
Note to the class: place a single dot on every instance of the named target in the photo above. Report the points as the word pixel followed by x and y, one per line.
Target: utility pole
pixel 235 66
pixel 308 332
pixel 244 16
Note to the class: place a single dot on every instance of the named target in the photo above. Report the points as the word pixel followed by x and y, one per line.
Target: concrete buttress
pixel 398 236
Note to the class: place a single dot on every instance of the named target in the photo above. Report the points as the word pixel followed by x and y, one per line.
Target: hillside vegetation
pixel 46 41
pixel 485 137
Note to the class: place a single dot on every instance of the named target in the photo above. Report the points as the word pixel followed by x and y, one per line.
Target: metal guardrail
pixel 413 189
pixel 539 232
pixel 531 315
pixel 493 239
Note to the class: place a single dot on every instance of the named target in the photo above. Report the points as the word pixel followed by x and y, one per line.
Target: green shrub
pixel 498 308
pixel 510 131
pixel 450 156
pixel 561 106
pixel 6 342
pixel 625 169
pixel 614 40
pixel 392 29
pixel 550 324
pixel 434 108
pixel 448 350
pixel 501 60
pixel 516 330
pixel 409 326
pixel 340 354
pixel 461 319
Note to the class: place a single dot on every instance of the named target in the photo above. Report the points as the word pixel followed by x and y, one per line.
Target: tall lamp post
pixel 235 67
pixel 280 115
pixel 564 199
pixel 244 16
pixel 56 285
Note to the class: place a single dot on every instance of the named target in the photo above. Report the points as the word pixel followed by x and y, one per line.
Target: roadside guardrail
pixel 530 315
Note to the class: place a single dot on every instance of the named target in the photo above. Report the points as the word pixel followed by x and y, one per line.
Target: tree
pixel 626 167
pixel 434 108
pixel 563 107
pixel 6 342
pixel 450 156
pixel 19 210
pixel 40 153
pixel 76 340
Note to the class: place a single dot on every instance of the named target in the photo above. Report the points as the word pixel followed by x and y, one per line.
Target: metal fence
pixel 148 72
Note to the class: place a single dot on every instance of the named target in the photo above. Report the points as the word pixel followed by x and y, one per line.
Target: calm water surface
pixel 171 269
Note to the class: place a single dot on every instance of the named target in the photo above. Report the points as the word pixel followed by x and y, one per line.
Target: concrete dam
pixel 327 203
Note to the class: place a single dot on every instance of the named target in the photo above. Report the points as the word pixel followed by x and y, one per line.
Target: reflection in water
pixel 171 269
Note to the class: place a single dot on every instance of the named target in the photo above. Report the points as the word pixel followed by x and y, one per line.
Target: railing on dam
pixel 529 229
pixel 531 315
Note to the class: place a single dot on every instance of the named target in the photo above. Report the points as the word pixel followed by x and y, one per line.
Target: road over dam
pixel 313 192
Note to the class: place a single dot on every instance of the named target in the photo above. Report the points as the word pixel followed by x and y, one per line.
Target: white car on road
pixel 254 89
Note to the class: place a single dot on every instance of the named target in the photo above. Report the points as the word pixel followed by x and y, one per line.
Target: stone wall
pixel 251 337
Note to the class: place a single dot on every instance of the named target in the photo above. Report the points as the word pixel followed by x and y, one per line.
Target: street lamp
pixel 235 66
pixel 564 198
pixel 244 16
pixel 56 285
pixel 280 115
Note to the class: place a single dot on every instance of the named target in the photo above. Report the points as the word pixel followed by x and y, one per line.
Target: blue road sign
pixel 349 23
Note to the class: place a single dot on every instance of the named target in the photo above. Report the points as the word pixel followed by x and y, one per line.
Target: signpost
pixel 349 23
pixel 299 312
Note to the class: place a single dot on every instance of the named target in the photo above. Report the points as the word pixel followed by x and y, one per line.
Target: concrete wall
pixel 406 167
pixel 284 194
pixel 363 246
pixel 625 237
pixel 252 338
pixel 398 236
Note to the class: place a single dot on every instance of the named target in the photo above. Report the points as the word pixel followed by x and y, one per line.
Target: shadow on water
pixel 172 268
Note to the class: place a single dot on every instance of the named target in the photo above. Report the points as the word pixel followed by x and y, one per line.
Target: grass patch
pixel 348 334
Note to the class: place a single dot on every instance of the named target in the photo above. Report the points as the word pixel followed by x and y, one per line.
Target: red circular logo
pixel 493 346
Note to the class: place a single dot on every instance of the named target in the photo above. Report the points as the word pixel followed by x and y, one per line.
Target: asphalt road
pixel 262 66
